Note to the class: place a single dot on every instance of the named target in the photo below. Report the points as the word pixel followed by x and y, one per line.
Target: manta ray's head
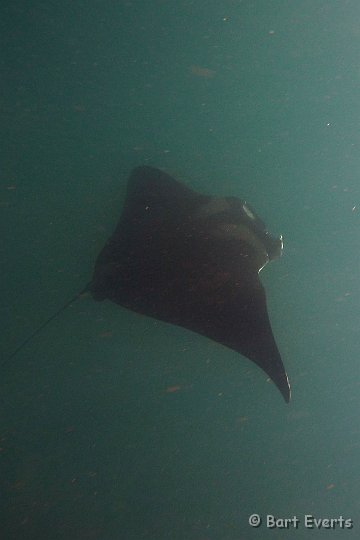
pixel 272 245
pixel 231 218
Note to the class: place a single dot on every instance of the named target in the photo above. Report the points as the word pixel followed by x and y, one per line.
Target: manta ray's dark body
pixel 192 260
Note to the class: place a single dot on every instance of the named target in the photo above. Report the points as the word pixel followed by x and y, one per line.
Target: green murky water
pixel 118 427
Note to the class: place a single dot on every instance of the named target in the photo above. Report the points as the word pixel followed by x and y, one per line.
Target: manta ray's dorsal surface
pixel 194 261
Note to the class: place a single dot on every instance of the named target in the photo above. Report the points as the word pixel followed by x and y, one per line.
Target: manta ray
pixel 191 260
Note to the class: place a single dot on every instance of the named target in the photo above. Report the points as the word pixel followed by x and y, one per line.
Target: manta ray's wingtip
pixel 285 388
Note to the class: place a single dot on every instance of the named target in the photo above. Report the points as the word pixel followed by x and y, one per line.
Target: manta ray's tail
pixel 48 321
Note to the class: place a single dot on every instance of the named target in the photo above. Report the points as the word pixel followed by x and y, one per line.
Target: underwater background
pixel 114 425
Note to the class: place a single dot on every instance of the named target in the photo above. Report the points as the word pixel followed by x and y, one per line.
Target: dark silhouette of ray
pixel 191 260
